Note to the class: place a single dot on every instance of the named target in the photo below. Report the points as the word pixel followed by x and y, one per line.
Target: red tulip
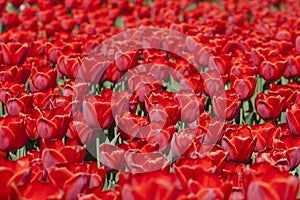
pixel 261 183
pixel 182 68
pixel 126 61
pixel 221 64
pixel 181 142
pixel 10 19
pixel 163 107
pixel 191 106
pixel 8 89
pixel 132 126
pixel 269 106
pixel 42 99
pixel 193 83
pixel 47 123
pixel 297 44
pixel 12 132
pixel 15 53
pixel 16 73
pixel 227 105
pixel 146 162
pixel 140 185
pixel 239 142
pixel 54 152
pixel 112 157
pixel 290 147
pixel 68 65
pixel 142 83
pixel 272 68
pixel 28 191
pixel 293 67
pixel 79 131
pixel 20 103
pixel 287 92
pixel 244 85
pixel 42 78
pixel 211 128
pixel 212 83
pixel 265 133
pixel 293 119
pixel 97 110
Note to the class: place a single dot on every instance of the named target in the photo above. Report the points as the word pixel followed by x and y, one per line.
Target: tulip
pixel 42 78
pixel 227 105
pixel 163 107
pixel 244 85
pixel 239 142
pixel 12 132
pixel 269 106
pixel 293 120
pixel 15 53
pixel 97 110
pixel 47 123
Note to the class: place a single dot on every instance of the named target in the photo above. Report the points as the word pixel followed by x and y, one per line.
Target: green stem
pixel 98 151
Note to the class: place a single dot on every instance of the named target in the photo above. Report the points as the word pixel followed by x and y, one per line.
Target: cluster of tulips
pixel 211 115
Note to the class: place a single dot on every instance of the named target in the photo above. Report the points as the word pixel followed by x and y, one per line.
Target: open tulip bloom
pixel 149 99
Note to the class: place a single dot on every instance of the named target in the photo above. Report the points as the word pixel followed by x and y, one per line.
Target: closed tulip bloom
pixel 269 106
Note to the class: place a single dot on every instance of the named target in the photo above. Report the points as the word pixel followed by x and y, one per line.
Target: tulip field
pixel 149 99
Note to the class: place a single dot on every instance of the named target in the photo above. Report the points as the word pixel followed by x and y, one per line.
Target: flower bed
pixel 141 99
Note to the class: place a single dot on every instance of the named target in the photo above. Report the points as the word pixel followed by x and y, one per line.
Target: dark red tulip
pixel 12 133
pixel 227 105
pixel 15 53
pixel 244 85
pixel 239 142
pixel 293 119
pixel 97 110
pixel 269 106
pixel 42 78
